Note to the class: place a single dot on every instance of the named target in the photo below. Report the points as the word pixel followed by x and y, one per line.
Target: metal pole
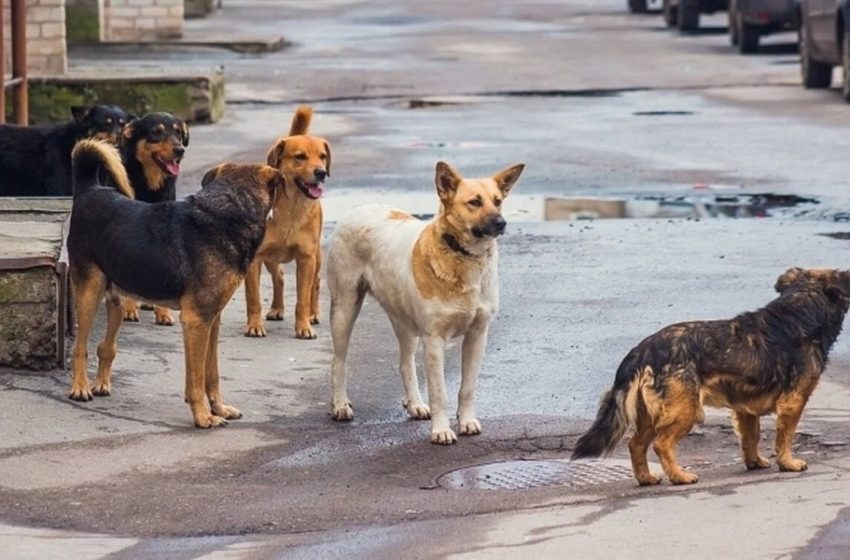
pixel 2 68
pixel 19 61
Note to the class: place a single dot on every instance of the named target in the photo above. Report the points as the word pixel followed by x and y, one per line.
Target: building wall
pixel 142 20
pixel 46 52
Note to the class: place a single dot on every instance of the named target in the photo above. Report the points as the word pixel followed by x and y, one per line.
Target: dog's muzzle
pixel 493 226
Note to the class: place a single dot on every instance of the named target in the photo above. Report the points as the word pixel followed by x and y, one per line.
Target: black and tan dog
pixel 295 231
pixel 189 255
pixel 761 362
pixel 152 148
pixel 36 160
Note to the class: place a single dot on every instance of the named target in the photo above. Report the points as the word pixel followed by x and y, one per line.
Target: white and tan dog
pixel 435 281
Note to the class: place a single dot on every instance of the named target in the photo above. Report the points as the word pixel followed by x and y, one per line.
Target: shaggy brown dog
pixel 295 231
pixel 761 362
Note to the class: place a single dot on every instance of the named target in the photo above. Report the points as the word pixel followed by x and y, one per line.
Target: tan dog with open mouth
pixel 295 230
pixel 435 281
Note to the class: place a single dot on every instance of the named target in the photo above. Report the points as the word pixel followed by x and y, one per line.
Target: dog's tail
pixel 617 412
pixel 90 158
pixel 301 121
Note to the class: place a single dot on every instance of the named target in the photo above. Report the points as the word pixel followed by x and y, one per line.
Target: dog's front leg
pixel 196 337
pixel 211 379
pixel 435 350
pixel 255 325
pixel 474 343
pixel 305 275
pixel 789 409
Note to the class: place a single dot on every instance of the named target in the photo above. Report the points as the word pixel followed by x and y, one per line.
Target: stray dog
pixel 295 231
pixel 36 160
pixel 152 148
pixel 189 255
pixel 761 362
pixel 435 281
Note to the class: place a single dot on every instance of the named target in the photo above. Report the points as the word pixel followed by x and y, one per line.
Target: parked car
pixel 749 20
pixel 684 14
pixel 824 42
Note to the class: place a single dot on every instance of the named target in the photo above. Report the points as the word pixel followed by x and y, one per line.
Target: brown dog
pixel 295 230
pixel 189 255
pixel 761 362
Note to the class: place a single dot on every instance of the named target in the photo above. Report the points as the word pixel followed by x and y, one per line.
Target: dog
pixel 761 362
pixel 36 160
pixel 189 255
pixel 295 231
pixel 152 148
pixel 435 281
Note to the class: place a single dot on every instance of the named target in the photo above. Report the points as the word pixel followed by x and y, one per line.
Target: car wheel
pixel 733 26
pixel 688 19
pixel 816 75
pixel 748 37
pixel 670 13
pixel 638 6
pixel 845 65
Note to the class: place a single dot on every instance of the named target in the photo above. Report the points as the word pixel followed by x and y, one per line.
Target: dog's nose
pixel 179 150
pixel 320 174
pixel 497 224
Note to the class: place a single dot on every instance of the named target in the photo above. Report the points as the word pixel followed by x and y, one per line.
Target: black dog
pixel 152 148
pixel 36 160
pixel 190 255
pixel 761 362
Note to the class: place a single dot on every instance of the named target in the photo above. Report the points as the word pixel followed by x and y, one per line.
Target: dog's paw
pixel 132 314
pixel 314 320
pixel 443 436
pixel 275 315
pixel 305 332
pixel 208 420
pixel 255 331
pixel 227 412
pixel 649 480
pixel 148 306
pixel 469 427
pixel 793 465
pixel 417 410
pixel 683 477
pixel 759 463
pixel 342 412
pixel 81 393
pixel 102 389
pixel 163 318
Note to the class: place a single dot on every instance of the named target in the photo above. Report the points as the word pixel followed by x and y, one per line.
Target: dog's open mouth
pixel 172 167
pixel 311 190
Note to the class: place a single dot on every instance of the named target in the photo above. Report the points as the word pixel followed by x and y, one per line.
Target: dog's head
pixel 304 160
pixel 263 180
pixel 832 282
pixel 474 206
pixel 101 122
pixel 158 142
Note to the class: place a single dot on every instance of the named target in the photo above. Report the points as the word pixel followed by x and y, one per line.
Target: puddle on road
pixel 537 208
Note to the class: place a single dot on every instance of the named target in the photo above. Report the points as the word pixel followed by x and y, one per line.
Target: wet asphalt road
pixel 596 102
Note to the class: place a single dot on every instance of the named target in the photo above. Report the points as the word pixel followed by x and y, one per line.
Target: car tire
pixel 688 17
pixel 748 37
pixel 845 65
pixel 816 75
pixel 638 6
pixel 670 14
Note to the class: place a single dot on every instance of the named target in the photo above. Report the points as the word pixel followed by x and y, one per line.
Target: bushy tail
pixel 614 417
pixel 89 158
pixel 301 121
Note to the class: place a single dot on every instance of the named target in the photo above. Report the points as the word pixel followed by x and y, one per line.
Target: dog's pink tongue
pixel 173 167
pixel 315 189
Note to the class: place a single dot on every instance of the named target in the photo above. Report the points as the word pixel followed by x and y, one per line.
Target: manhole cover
pixel 522 475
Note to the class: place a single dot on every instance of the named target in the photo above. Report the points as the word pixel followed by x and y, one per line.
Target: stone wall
pixel 84 20
pixel 142 20
pixel 46 52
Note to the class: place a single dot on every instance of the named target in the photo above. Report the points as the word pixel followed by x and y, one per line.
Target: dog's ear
pixel 506 178
pixel 210 175
pixel 447 180
pixel 127 131
pixel 184 136
pixel 79 113
pixel 275 155
pixel 789 278
pixel 328 161
pixel 273 178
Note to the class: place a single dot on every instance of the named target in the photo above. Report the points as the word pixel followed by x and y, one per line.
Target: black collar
pixel 455 246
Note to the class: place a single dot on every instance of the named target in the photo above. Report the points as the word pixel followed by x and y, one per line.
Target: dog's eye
pixel 121 122
pixel 323 157
pixel 475 203
pixel 301 157
pixel 108 121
